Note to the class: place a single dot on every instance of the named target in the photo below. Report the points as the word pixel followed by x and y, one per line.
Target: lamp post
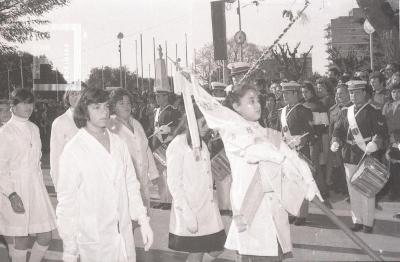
pixel 21 54
pixel 120 36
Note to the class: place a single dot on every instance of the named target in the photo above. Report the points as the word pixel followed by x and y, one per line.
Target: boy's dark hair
pixel 89 96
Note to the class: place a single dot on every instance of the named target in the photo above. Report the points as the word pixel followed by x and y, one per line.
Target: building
pixel 348 35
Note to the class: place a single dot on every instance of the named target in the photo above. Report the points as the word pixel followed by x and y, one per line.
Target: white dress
pixel 62 130
pixel 20 172
pixel 98 196
pixel 191 185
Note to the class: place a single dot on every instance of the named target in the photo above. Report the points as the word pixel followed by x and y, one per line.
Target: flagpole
pixel 141 58
pixel 154 56
pixel 137 69
pixel 186 51
pixel 166 55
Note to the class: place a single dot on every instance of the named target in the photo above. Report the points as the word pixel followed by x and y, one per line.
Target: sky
pixel 84 33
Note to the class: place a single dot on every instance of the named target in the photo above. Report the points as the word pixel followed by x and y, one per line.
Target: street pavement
pixel 318 240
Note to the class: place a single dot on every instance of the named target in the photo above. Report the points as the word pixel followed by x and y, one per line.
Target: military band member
pixel 361 130
pixel 238 71
pixel 296 130
pixel 218 90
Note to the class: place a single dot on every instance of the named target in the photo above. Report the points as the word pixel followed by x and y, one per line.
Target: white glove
pixel 147 234
pixel 335 147
pixel 371 147
pixel 163 130
pixel 312 192
pixel 294 141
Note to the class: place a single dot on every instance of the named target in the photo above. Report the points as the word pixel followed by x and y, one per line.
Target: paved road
pixel 318 240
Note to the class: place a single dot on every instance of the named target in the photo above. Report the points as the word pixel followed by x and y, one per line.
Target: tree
pixel 209 69
pixel 110 77
pixel 10 73
pixel 293 65
pixel 19 19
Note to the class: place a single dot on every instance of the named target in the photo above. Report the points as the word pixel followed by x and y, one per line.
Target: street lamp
pixel 120 36
pixel 21 54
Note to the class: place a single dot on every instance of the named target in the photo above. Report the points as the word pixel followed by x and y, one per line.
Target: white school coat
pixel 141 155
pixel 191 186
pixel 270 223
pixel 98 195
pixel 62 130
pixel 20 172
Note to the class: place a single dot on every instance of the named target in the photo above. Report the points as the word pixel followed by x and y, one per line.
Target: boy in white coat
pixel 98 192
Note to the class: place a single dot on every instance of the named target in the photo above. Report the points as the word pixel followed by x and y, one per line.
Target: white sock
pixel 37 252
pixel 19 255
pixel 10 249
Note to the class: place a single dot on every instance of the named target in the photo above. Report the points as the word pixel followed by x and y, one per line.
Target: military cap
pixel 356 84
pixel 238 68
pixel 290 86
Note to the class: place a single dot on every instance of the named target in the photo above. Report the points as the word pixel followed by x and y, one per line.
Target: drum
pixel 220 167
pixel 160 155
pixel 370 176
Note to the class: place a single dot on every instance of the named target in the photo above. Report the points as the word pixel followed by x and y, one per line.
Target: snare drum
pixel 220 167
pixel 370 176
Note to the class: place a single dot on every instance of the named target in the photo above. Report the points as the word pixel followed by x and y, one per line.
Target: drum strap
pixel 284 115
pixel 353 127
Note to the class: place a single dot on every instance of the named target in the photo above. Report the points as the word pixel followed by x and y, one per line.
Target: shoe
pixel 166 206
pixel 328 204
pixel 396 216
pixel 299 221
pixel 367 229
pixel 356 227
pixel 291 219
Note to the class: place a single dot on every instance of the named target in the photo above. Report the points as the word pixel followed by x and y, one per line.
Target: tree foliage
pixel 293 64
pixel 10 73
pixel 19 21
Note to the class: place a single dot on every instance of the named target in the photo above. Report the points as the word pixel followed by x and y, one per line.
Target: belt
pixel 353 142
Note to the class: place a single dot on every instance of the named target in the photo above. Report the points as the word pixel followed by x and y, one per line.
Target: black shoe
pixel 299 221
pixel 166 206
pixel 291 219
pixel 367 229
pixel 356 227
pixel 396 216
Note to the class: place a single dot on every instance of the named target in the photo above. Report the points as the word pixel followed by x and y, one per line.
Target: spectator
pixel 5 113
pixel 271 119
pixel 391 111
pixel 380 95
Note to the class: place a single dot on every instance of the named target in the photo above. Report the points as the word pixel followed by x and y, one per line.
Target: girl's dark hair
pixel 89 96
pixel 117 95
pixel 310 87
pixel 183 126
pixel 22 95
pixel 238 92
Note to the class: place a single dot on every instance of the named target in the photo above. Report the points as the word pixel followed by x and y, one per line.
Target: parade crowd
pixel 109 148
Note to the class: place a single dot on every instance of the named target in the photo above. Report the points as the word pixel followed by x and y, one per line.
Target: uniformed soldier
pixel 216 146
pixel 297 131
pixel 218 90
pixel 166 119
pixel 361 130
pixel 335 169
pixel 238 70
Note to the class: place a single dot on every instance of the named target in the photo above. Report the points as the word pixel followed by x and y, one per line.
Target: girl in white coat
pixel 131 131
pixel 62 130
pixel 195 223
pixel 98 193
pixel 267 236
pixel 25 207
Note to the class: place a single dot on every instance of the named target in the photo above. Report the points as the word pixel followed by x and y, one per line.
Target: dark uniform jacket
pixel 298 121
pixel 370 123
